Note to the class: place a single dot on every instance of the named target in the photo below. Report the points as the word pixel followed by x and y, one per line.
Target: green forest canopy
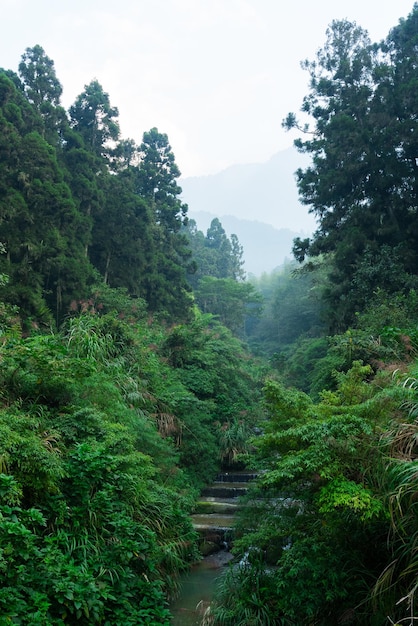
pixel 81 206
pixel 122 392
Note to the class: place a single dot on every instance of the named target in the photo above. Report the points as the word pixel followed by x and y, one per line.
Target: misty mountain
pixel 258 202
pixel 265 192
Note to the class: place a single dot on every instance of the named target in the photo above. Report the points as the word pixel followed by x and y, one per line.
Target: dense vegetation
pixel 329 532
pixel 120 399
pixel 126 382
pixel 107 430
pixel 361 185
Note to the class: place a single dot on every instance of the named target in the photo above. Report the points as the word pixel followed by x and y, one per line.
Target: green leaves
pixel 95 119
pixel 360 183
pixel 166 287
pixel 62 212
pixel 81 509
pixel 343 494
pixel 38 74
pixel 230 301
pixel 319 509
pixel 105 436
pixel 40 222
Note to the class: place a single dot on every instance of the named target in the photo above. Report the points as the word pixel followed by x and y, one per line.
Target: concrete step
pixel 236 477
pixel 212 521
pixel 210 505
pixel 222 490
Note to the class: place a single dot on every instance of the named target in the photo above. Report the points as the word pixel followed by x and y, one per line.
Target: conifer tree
pixel 43 90
pixel 361 183
pixel 93 117
pixel 156 180
pixel 40 226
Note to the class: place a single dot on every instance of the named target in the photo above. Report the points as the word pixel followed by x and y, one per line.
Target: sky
pixel 218 76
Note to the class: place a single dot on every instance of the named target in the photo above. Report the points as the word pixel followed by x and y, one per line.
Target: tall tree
pixel 399 94
pixel 361 184
pixel 95 119
pixel 87 187
pixel 229 300
pixel 237 258
pixel 220 246
pixel 37 72
pixel 43 89
pixel 167 288
pixel 214 255
pixel 121 246
pixel 157 180
pixel 40 226
pixel 88 148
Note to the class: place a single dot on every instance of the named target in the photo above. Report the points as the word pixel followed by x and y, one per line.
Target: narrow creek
pixel 213 519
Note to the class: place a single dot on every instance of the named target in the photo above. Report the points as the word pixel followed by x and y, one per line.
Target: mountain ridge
pixel 256 201
pixel 264 191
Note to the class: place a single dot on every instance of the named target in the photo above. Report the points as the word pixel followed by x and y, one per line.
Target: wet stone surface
pixel 198 587
pixel 213 519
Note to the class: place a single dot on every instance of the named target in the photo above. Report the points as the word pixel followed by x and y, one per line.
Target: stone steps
pixel 212 521
pixel 206 506
pixel 225 490
pixel 214 512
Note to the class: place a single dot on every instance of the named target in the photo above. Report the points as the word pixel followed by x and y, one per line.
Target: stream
pixel 197 589
pixel 213 519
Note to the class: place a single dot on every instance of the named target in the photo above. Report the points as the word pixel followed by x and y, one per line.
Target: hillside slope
pixel 265 192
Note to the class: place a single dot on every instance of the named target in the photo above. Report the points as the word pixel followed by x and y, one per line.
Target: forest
pixel 137 360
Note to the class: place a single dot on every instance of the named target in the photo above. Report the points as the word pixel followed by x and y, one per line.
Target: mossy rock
pixel 204 506
pixel 209 547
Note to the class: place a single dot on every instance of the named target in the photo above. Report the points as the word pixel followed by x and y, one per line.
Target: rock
pixel 209 547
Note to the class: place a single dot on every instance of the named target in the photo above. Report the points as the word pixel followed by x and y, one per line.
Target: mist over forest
pixel 265 192
pixel 139 357
pixel 259 203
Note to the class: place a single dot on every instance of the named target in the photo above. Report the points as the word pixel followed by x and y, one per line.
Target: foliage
pixel 246 596
pixel 215 254
pixel 229 300
pixel 91 527
pixel 395 589
pixel 38 74
pixel 43 90
pixel 165 284
pixel 234 441
pixel 111 421
pixel 105 437
pixel 291 310
pixel 40 224
pixel 74 199
pixel 225 383
pixel 360 182
pixel 326 503
pixel 95 119
pixel 384 336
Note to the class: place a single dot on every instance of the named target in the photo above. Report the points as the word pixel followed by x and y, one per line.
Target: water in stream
pixel 197 588
pixel 214 519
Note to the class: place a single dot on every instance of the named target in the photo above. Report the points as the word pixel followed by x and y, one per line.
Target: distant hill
pixel 258 202
pixel 265 192
pixel 265 247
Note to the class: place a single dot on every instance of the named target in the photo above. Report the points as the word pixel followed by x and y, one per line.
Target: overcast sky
pixel 218 76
